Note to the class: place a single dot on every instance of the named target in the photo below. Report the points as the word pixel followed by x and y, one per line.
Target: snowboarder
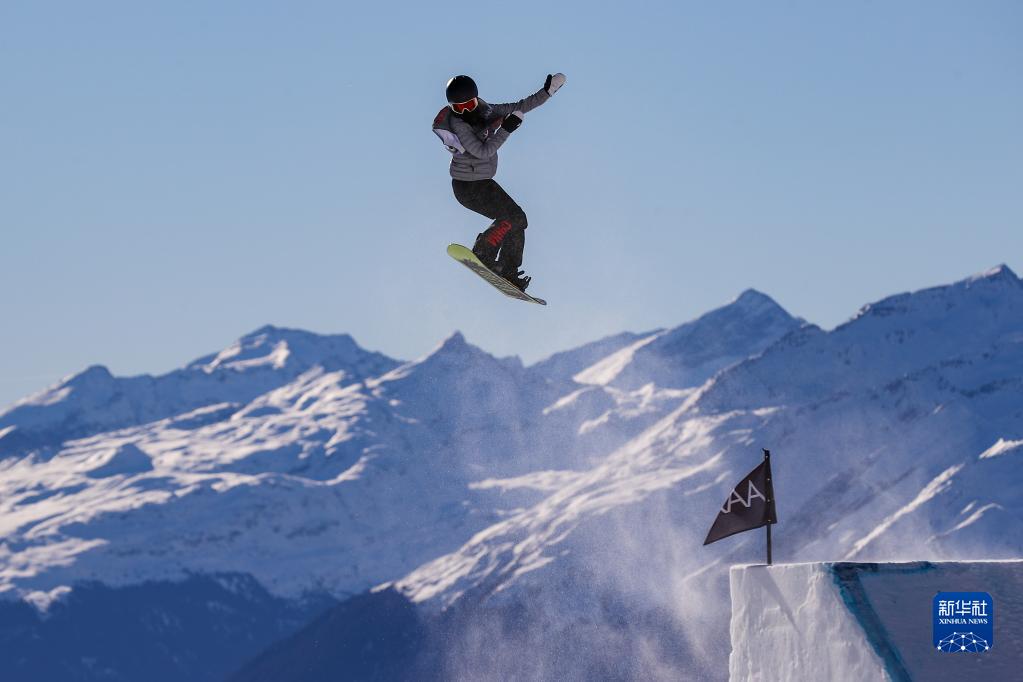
pixel 473 130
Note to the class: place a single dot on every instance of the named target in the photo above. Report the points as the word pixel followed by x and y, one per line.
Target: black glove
pixel 553 82
pixel 512 121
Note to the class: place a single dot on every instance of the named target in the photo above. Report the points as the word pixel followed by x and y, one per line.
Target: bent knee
pixel 518 220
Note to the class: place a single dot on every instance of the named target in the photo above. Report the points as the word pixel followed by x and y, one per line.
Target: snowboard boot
pixel 488 243
pixel 484 251
pixel 510 259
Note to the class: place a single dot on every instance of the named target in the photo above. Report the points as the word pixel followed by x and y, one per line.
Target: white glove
pixel 554 82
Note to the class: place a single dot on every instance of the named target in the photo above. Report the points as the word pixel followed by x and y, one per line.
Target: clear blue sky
pixel 173 175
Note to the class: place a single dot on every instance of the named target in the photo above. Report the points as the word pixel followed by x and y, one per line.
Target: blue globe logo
pixel 964 622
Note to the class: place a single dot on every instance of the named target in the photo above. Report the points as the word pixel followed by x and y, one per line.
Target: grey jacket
pixel 474 147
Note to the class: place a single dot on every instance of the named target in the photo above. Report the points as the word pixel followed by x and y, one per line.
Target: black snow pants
pixel 508 231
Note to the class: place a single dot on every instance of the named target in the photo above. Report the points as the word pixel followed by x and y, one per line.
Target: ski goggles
pixel 462 107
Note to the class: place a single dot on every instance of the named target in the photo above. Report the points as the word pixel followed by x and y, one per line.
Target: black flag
pixel 750 504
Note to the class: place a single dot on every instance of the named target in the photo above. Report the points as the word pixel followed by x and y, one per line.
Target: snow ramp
pixel 868 621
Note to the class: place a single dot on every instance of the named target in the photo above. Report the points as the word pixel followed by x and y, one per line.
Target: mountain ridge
pixel 93 401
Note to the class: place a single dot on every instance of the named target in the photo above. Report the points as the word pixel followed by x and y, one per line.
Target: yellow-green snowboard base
pixel 467 258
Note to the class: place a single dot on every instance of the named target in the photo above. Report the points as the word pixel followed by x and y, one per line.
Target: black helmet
pixel 461 89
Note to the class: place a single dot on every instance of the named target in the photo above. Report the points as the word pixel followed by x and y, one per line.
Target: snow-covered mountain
pixel 572 495
pixel 870 423
pixel 94 401
pixel 318 484
pixel 688 355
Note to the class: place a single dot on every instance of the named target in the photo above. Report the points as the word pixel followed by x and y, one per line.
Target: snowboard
pixel 467 258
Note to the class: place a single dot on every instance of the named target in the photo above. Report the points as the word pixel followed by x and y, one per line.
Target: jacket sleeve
pixel 472 144
pixel 524 105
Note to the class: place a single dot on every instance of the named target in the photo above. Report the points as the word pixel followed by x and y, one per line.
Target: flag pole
pixel 767 458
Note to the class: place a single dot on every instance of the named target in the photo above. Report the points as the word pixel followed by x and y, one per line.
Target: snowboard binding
pixel 518 278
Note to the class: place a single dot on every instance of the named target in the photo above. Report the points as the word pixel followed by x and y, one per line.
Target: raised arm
pixel 554 81
pixel 524 105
